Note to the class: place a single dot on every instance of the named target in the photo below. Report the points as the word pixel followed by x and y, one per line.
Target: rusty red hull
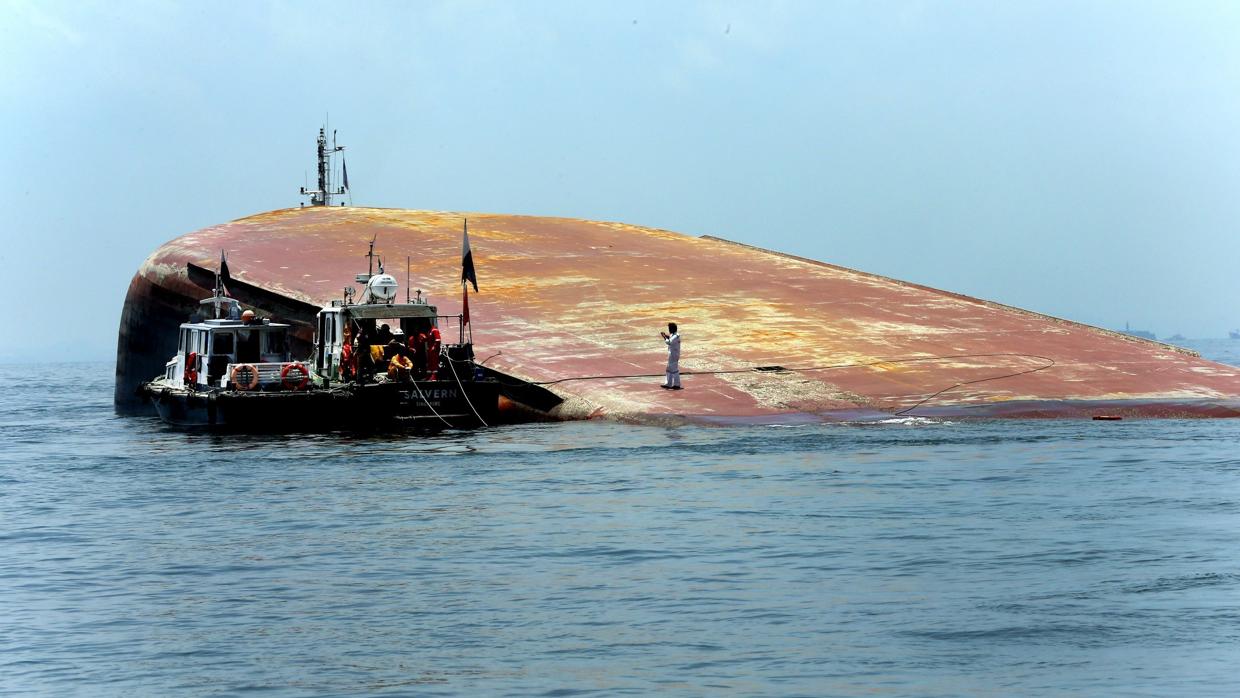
pixel 577 305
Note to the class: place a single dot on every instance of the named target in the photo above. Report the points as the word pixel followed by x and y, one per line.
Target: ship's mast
pixel 323 195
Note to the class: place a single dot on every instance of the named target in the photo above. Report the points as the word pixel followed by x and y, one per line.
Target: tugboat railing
pixel 270 375
pixel 460 327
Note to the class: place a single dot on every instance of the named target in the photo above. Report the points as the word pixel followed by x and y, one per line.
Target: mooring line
pixel 1050 362
pixel 829 367
pixel 464 395
pixel 431 407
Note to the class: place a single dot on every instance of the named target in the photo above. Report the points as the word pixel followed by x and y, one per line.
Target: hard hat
pixel 247 316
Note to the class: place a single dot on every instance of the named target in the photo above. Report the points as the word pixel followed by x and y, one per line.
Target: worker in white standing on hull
pixel 673 357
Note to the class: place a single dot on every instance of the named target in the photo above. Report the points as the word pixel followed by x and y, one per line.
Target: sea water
pixel 910 558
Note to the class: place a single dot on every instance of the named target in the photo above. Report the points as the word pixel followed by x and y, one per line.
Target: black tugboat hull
pixel 429 404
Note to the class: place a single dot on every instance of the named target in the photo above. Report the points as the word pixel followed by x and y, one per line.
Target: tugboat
pixel 375 364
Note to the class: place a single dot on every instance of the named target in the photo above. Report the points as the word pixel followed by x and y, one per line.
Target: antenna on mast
pixel 323 195
pixel 370 265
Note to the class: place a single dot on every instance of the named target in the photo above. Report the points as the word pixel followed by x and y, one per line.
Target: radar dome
pixel 382 288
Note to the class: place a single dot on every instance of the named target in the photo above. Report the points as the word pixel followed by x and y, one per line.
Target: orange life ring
pixel 297 384
pixel 249 384
pixel 191 368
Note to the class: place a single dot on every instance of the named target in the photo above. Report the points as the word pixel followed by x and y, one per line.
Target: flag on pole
pixel 222 275
pixel 344 165
pixel 467 262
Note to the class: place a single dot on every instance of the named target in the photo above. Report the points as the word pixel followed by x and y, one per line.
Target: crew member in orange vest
pixel 348 367
pixel 417 345
pixel 433 344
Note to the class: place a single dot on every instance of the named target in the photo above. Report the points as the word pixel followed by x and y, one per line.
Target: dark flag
pixel 467 262
pixel 345 166
pixel 222 276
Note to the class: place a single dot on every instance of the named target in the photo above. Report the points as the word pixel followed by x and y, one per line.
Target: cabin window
pixel 247 346
pixel 222 343
pixel 184 343
pixel 275 342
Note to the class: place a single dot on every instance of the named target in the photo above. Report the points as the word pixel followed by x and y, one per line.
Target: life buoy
pixel 296 383
pixel 191 368
pixel 250 379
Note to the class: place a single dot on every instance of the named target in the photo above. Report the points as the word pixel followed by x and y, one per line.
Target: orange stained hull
pixel 566 302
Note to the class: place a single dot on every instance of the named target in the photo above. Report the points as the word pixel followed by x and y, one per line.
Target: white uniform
pixel 673 361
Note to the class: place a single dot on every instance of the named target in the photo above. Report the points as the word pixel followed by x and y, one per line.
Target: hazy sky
pixel 1080 159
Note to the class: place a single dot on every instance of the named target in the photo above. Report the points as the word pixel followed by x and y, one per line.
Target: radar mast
pixel 323 195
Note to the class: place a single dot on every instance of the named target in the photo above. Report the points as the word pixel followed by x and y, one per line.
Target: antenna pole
pixel 408 264
pixel 325 186
pixel 323 195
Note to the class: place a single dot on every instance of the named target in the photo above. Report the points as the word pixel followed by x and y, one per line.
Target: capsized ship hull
pixel 575 306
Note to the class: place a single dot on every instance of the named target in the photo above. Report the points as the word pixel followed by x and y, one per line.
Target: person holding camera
pixel 672 340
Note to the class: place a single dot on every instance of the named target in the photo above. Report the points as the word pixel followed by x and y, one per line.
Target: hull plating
pixel 576 306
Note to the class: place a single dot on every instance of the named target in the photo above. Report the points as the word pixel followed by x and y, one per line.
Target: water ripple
pixel 918 557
